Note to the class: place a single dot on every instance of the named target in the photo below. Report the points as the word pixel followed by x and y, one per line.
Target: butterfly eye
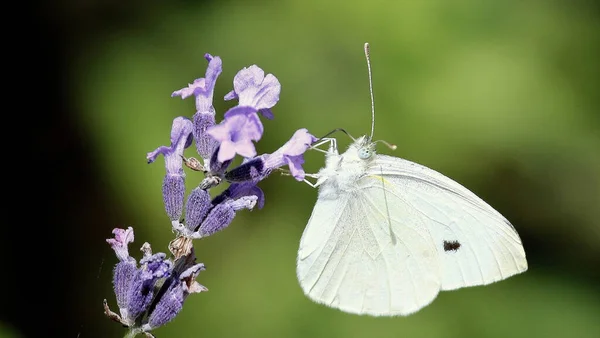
pixel 364 153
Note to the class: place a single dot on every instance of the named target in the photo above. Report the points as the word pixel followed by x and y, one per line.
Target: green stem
pixel 131 334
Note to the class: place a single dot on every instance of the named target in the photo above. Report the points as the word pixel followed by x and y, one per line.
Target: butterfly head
pixel 366 148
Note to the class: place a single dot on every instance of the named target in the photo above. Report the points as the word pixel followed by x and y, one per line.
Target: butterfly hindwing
pixel 350 260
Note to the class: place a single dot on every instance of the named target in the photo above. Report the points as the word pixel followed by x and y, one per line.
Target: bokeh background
pixel 500 95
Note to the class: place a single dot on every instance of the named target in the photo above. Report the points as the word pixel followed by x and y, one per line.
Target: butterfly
pixel 386 235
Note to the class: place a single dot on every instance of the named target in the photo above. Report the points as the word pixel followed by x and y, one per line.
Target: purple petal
pixel 120 242
pixel 155 266
pixel 180 139
pixel 225 130
pixel 268 94
pixel 190 89
pixel 254 128
pixel 214 69
pixel 267 113
pixel 240 110
pixel 236 133
pixel 151 156
pixel 295 165
pixel 203 88
pixel 299 143
pixel 248 78
pixel 254 89
pixel 244 147
pixel 226 151
pixel 217 167
pixel 230 96
pixel 291 154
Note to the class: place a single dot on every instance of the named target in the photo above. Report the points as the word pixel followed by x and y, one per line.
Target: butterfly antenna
pixel 367 55
pixel 332 132
pixel 389 145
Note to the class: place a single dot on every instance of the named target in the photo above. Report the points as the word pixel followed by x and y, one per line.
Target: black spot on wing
pixel 451 245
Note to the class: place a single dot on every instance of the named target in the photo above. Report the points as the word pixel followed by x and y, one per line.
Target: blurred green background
pixel 502 96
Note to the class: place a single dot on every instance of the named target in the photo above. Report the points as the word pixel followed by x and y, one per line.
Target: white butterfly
pixel 386 235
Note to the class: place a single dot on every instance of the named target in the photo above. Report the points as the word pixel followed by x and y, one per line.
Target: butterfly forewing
pixel 475 244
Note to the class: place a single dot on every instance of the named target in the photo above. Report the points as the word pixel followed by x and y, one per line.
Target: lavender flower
pixel 176 289
pixel 237 190
pixel 197 207
pixel 174 181
pixel 153 294
pixel 203 89
pixel 290 154
pixel 204 218
pixel 256 93
pixel 236 133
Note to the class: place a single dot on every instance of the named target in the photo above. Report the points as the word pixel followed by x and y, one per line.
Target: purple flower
pixel 290 154
pixel 203 88
pixel 223 213
pixel 153 294
pixel 254 89
pixel 217 168
pixel 141 289
pixel 204 118
pixel 120 242
pixel 174 181
pixel 124 271
pixel 237 190
pixel 181 284
pixel 236 133
pixel 196 208
pixel 204 218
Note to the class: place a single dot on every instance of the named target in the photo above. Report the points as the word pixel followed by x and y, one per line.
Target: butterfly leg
pixel 312 185
pixel 285 172
pixel 332 149
pixel 332 145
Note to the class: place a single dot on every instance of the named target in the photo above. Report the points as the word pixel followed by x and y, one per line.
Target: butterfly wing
pixel 475 244
pixel 349 259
